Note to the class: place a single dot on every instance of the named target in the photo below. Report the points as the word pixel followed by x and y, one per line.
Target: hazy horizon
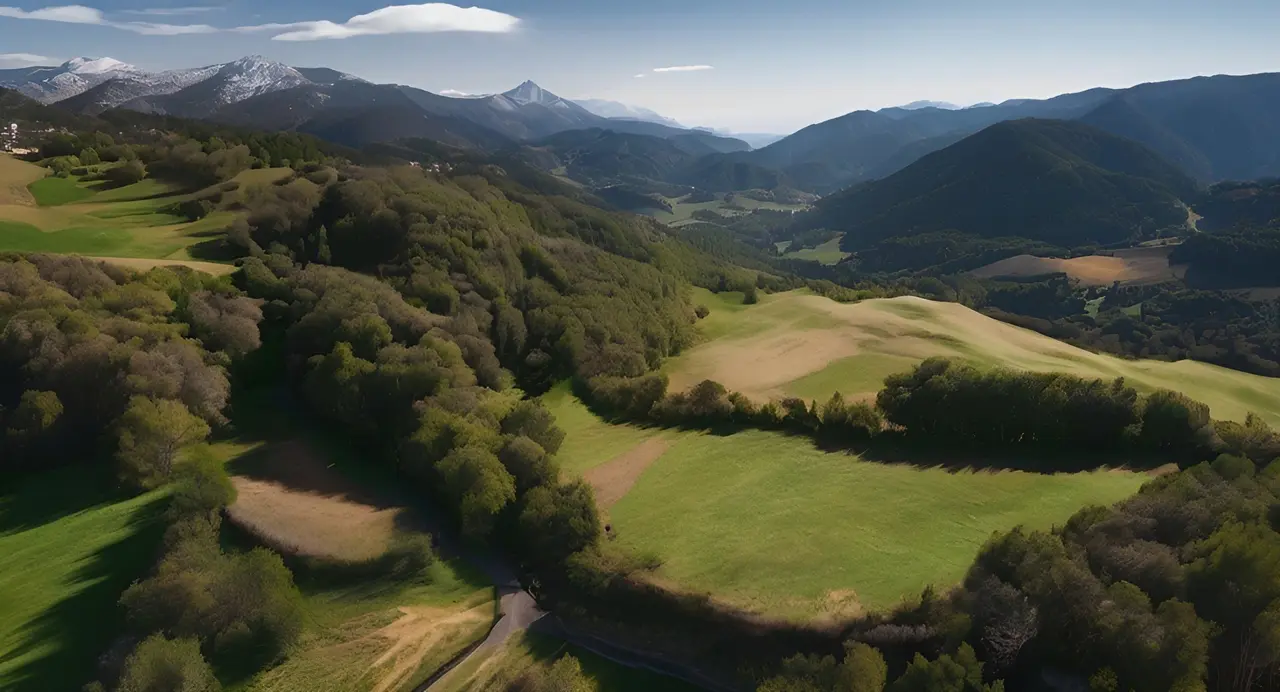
pixel 745 66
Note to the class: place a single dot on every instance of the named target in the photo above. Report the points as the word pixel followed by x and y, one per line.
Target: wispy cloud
pixel 395 19
pixel 79 14
pixel 173 11
pixel 642 75
pixel 24 59
pixel 684 68
pixel 429 18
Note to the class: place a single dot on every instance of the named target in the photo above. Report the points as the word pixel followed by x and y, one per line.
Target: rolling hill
pixel 1053 181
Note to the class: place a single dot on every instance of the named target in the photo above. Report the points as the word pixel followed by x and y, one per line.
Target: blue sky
pixel 774 65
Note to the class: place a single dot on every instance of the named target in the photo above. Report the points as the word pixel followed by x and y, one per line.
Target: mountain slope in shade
pixel 1061 182
pixel 1219 128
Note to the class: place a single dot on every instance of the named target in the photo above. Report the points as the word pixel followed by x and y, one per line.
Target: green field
pixel 826 253
pixel 66 215
pixel 52 192
pixel 67 551
pixel 768 522
pixel 798 344
pixel 682 210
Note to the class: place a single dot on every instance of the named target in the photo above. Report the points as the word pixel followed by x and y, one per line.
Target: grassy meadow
pixel 682 210
pixel 770 523
pixel 826 253
pixel 69 548
pixel 773 524
pixel 797 344
pixel 74 216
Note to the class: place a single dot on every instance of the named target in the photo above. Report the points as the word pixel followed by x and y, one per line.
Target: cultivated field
pixel 795 344
pixel 69 216
pixel 826 253
pixel 770 523
pixel 1142 265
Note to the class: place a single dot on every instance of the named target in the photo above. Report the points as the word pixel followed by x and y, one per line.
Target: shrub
pixel 160 664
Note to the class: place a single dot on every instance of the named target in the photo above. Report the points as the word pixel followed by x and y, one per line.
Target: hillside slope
pixel 1054 181
pixel 794 344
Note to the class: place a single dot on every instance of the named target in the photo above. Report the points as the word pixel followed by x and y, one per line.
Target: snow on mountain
pixel 48 84
pixel 528 93
pixel 248 77
pixel 613 109
pixel 942 105
pixel 88 66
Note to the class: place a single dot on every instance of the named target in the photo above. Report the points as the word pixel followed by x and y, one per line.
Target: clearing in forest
pixel 769 523
pixel 1141 265
pixel 798 344
pixel 75 216
pixel 288 497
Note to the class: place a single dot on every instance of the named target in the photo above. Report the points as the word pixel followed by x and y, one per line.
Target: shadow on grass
pixel 78 629
pixel 37 499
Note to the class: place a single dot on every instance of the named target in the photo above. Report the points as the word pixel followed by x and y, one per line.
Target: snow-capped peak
pixel 254 75
pixel 97 66
pixel 529 92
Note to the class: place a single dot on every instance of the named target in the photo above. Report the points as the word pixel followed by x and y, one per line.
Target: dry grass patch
pixel 142 265
pixel 291 500
pixel 1141 265
pixel 15 176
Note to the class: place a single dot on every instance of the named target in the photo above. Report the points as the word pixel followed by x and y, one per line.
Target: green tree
pixel 479 484
pixel 89 157
pixel 202 484
pixel 160 664
pixel 152 433
pixel 863 669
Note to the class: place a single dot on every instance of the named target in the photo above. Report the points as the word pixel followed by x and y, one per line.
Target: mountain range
pixel 257 92
pixel 1213 128
pixel 1060 182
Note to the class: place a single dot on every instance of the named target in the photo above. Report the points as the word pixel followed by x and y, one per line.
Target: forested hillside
pixel 1051 181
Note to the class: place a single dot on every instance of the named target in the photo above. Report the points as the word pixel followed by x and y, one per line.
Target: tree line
pixel 941 402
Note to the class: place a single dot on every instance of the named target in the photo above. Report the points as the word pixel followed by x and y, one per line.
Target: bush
pixel 194 209
pixel 160 664
pixel 127 173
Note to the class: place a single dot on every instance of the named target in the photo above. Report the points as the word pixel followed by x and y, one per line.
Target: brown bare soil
pixel 294 502
pixel 1133 266
pixel 612 480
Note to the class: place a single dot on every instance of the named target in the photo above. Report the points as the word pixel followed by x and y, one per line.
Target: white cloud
pixel 151 29
pixel 24 59
pixel 71 14
pixel 455 93
pixel 684 68
pixel 79 14
pixel 397 19
pixel 642 75
pixel 172 11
